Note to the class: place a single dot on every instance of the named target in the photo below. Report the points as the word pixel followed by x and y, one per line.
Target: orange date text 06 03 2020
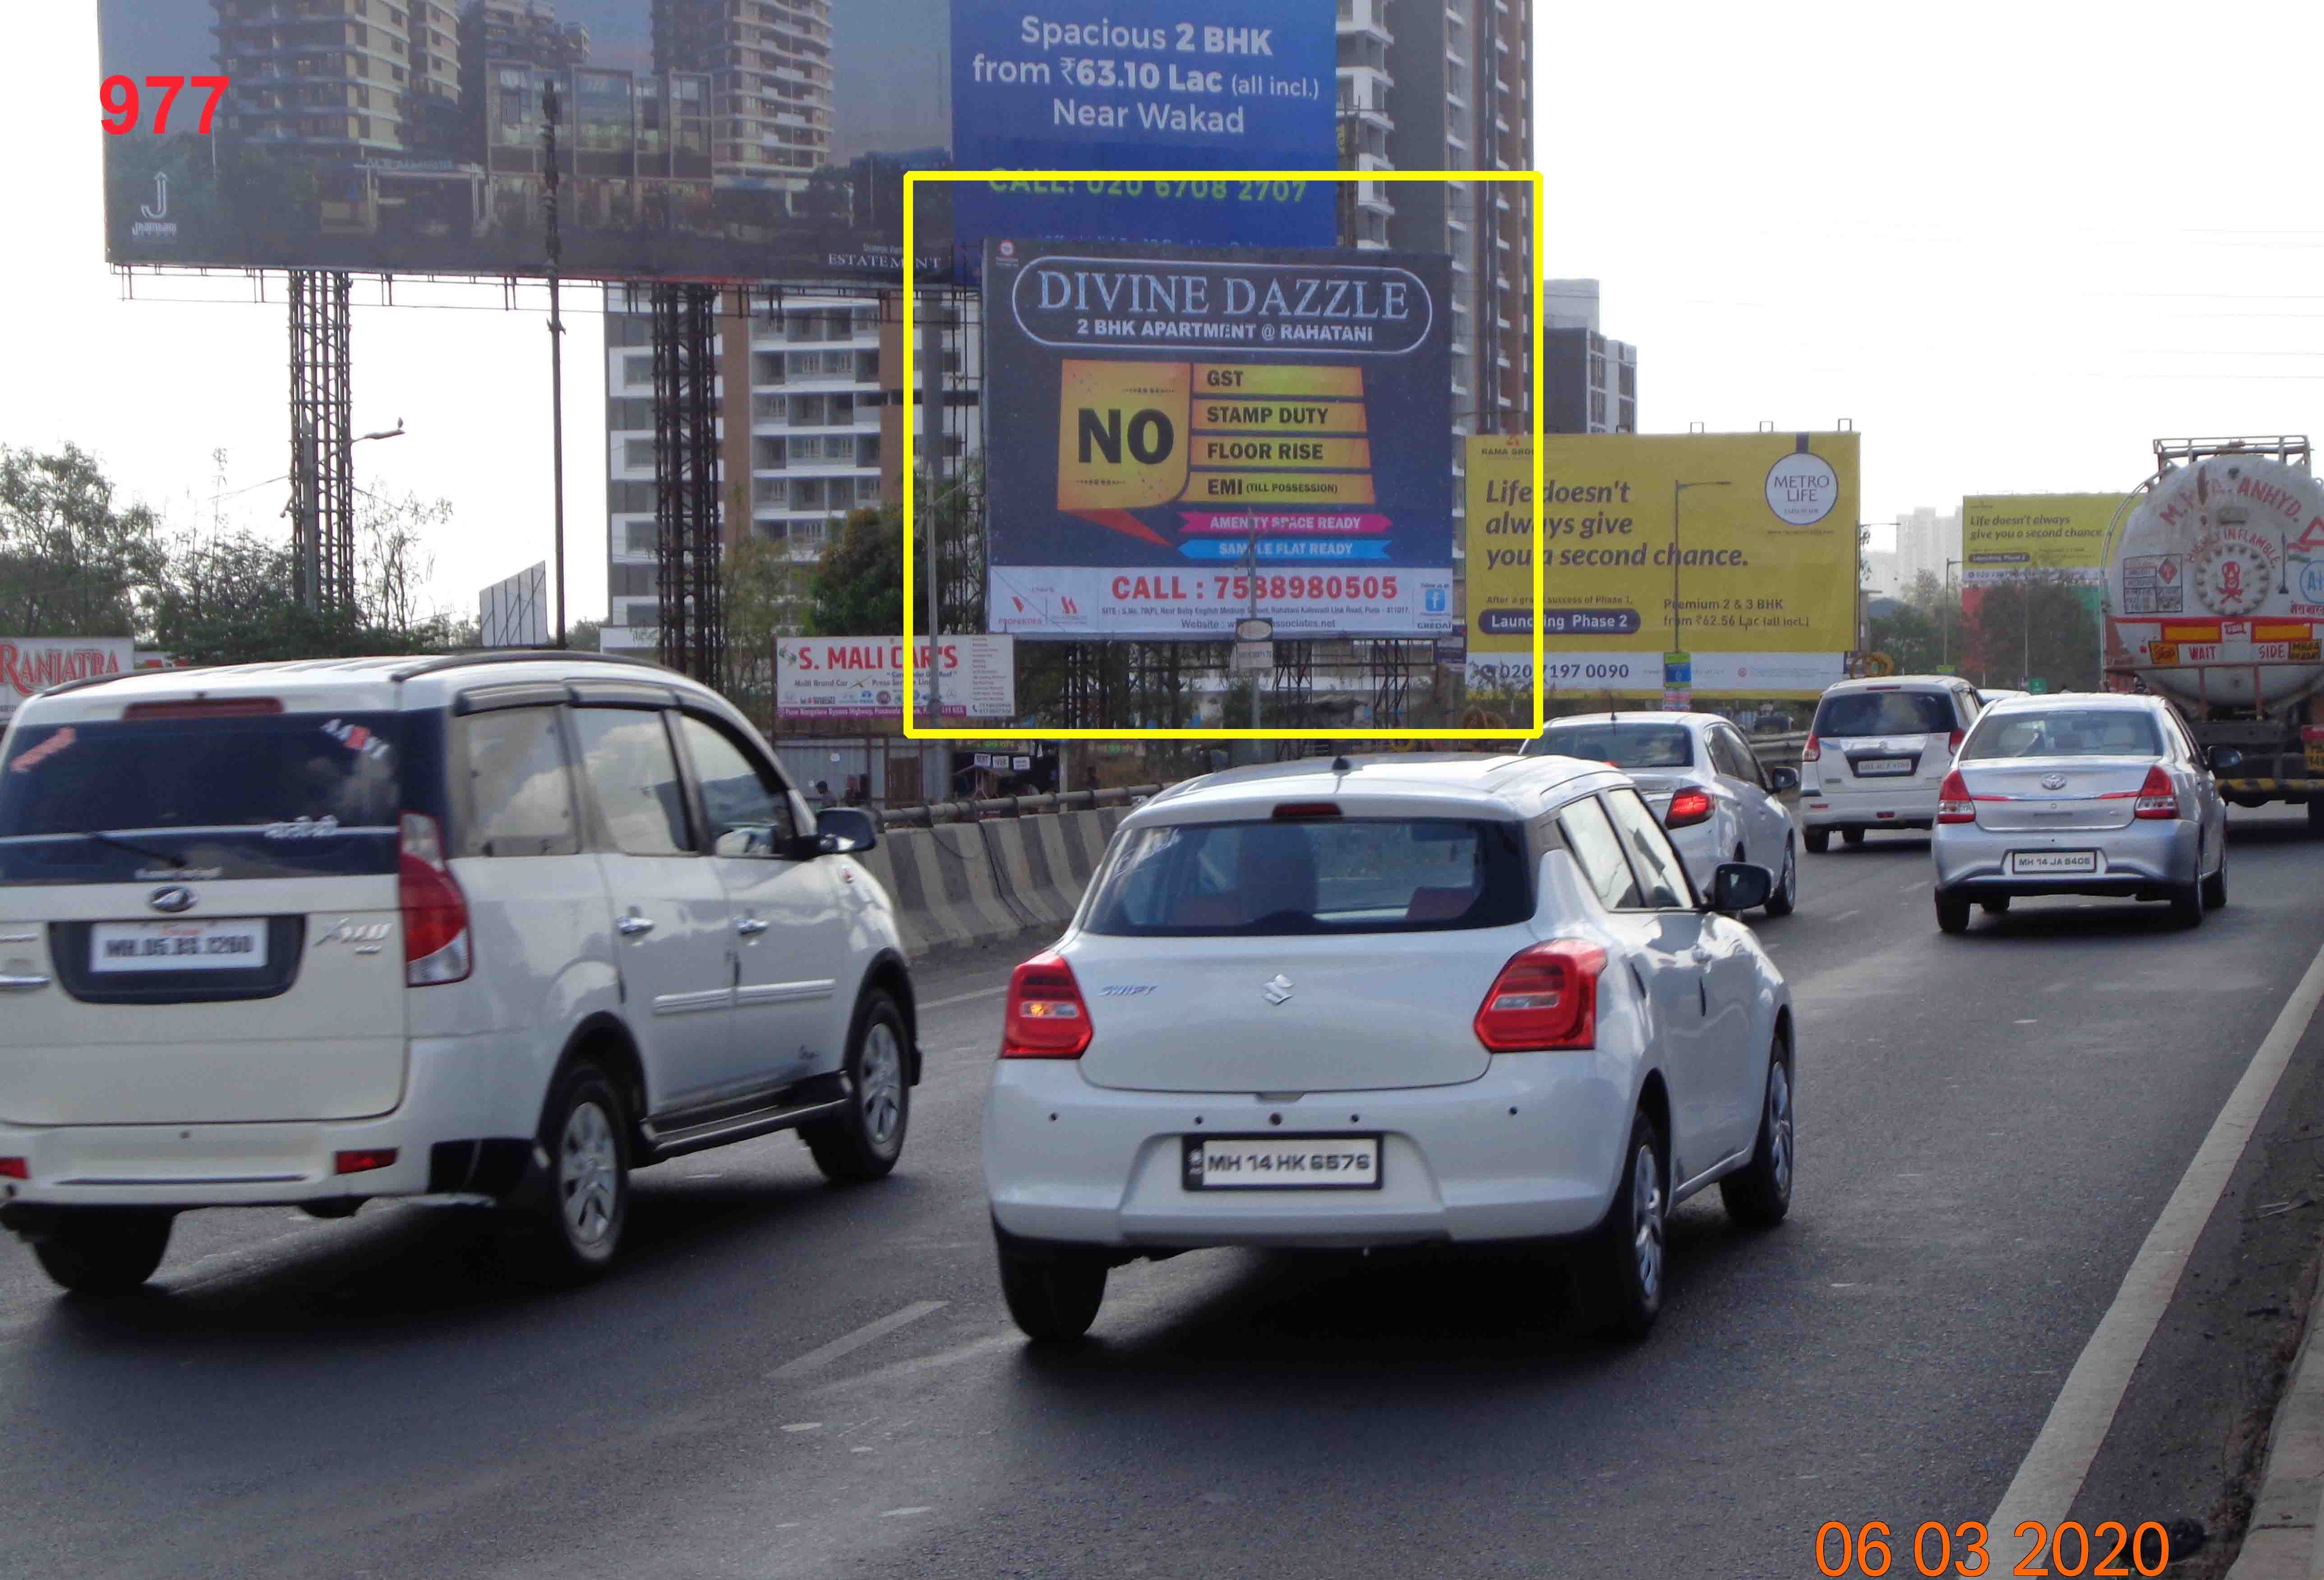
pixel 2069 1549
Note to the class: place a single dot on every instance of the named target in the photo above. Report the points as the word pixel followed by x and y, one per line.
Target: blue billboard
pixel 1159 417
pixel 1146 85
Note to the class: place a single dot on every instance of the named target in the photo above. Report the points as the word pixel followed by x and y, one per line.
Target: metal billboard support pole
pixel 322 493
pixel 687 507
pixel 555 345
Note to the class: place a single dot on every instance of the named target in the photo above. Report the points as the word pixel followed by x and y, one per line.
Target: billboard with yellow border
pixel 1751 538
pixel 2005 536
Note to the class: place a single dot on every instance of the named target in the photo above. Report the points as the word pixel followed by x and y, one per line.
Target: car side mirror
pixel 845 831
pixel 1739 886
pixel 1780 780
pixel 2223 759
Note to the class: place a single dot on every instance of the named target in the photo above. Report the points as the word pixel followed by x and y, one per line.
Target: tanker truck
pixel 2214 600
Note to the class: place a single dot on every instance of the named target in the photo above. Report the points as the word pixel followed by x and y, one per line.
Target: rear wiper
pixel 131 846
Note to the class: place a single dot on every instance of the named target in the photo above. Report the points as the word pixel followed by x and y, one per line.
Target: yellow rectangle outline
pixel 914 405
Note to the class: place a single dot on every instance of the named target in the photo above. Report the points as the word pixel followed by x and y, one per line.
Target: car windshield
pixel 1356 874
pixel 1625 746
pixel 302 793
pixel 2064 732
pixel 1884 713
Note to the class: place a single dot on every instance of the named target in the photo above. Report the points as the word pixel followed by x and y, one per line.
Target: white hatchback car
pixel 1703 781
pixel 493 928
pixel 1877 753
pixel 1383 1002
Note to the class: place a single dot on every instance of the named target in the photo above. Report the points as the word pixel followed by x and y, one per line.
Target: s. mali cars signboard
pixel 1158 416
pixel 1214 86
pixel 862 677
pixel 1736 549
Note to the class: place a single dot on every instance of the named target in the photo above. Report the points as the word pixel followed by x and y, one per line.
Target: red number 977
pixel 123 106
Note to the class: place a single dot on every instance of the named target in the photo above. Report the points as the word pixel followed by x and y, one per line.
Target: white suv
pixel 490 928
pixel 1878 752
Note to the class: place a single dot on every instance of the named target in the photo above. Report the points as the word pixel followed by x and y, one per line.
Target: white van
pixel 493 928
pixel 1877 753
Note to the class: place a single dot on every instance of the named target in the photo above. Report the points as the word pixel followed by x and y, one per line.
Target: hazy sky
pixel 2012 242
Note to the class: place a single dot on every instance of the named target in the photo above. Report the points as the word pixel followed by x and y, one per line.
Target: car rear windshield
pixel 1885 713
pixel 1351 875
pixel 2064 732
pixel 271 795
pixel 1625 746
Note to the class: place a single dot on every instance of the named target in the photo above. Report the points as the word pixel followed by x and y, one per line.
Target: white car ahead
pixel 1398 1000
pixel 1703 781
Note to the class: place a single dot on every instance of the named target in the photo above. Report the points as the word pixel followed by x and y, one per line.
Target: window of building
pixel 638 454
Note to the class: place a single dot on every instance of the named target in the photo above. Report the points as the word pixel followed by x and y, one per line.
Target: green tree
pixel 582 635
pixel 73 561
pixel 1925 632
pixel 767 595
pixel 2037 627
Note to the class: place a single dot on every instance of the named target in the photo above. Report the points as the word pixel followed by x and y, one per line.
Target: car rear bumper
pixel 465 1127
pixel 1822 812
pixel 1529 1149
pixel 2136 860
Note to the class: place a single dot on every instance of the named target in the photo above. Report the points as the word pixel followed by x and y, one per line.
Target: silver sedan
pixel 2082 793
pixel 1704 783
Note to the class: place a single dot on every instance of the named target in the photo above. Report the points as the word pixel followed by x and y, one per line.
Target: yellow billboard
pixel 1737 551
pixel 2005 536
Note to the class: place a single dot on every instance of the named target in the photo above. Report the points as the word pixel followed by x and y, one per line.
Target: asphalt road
pixel 783 1378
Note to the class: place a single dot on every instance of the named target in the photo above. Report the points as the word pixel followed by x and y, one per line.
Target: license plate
pixel 1281 1162
pixel 2054 861
pixel 1876 767
pixel 177 946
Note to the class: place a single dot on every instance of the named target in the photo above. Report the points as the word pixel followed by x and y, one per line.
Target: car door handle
pixel 22 983
pixel 630 927
pixel 750 926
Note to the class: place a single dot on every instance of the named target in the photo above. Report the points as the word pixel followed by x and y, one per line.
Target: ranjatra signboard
pixel 698 139
pixel 862 677
pixel 1146 85
pixel 29 664
pixel 1157 414
pixel 1736 551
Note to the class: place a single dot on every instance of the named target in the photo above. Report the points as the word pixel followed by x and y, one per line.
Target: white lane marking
pixel 2050 1477
pixel 848 1344
pixel 1844 915
pixel 801 1426
pixel 901 1513
pixel 961 998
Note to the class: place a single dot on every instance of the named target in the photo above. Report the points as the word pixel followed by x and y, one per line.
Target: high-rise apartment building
pixel 1448 85
pixel 356 77
pixel 1589 384
pixel 769 66
pixel 810 428
pixel 1926 539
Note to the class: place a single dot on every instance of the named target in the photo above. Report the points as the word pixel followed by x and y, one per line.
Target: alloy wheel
pixel 587 1161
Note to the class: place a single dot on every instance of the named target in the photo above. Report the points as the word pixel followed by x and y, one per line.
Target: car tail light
pixel 363 1161
pixel 2156 798
pixel 436 946
pixel 1953 743
pixel 1953 805
pixel 1686 808
pixel 14 1169
pixel 1046 1017
pixel 1299 811
pixel 205 707
pixel 1546 997
pixel 1813 751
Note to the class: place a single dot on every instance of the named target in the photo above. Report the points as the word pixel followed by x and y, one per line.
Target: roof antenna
pixel 1341 765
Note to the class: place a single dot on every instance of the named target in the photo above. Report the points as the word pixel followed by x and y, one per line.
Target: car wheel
pixel 1053 1297
pixel 103 1250
pixel 2214 887
pixel 1996 906
pixel 584 1131
pixel 1759 1193
pixel 2187 905
pixel 861 1142
pixel 1632 1246
pixel 1785 896
pixel 1953 914
pixel 1818 840
pixel 1854 836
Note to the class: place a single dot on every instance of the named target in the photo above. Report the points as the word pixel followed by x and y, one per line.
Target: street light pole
pixel 1945 619
pixel 1250 575
pixel 1677 489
